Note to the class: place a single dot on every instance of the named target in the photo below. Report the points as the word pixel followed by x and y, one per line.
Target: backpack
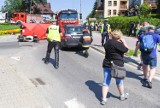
pixel 147 44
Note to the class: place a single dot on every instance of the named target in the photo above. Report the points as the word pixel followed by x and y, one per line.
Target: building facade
pixel 109 8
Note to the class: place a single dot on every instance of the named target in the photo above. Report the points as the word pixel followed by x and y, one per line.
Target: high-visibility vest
pixel 54 33
pixel 108 29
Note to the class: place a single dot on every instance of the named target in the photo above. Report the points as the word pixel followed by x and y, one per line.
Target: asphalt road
pixel 77 82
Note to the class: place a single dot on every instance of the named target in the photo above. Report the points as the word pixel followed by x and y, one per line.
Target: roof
pixel 68 11
pixel 45 8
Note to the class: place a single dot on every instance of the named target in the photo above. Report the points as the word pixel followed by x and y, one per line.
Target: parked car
pixel 71 36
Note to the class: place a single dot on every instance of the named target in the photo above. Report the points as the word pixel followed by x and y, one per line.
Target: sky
pixel 86 5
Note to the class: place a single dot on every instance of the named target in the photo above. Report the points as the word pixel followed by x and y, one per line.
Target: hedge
pixel 122 22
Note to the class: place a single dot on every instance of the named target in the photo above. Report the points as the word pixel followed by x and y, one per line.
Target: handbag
pixel 118 71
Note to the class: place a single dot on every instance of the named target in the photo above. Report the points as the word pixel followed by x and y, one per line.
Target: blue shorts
pixel 107 78
pixel 147 60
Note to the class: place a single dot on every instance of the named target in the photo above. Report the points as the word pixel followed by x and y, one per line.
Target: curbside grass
pixel 7 28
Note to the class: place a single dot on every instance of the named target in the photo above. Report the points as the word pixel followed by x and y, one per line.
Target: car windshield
pixel 74 29
pixel 68 16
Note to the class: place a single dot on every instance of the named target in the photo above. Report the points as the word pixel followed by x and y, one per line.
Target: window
pixel 74 29
pixel 109 3
pixel 109 12
pixel 68 16
pixel 22 16
pixel 115 3
pixel 114 12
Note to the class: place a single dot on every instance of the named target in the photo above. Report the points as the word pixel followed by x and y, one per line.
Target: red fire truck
pixel 65 20
pixel 65 17
pixel 18 17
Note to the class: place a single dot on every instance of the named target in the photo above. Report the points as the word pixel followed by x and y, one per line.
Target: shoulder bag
pixel 117 71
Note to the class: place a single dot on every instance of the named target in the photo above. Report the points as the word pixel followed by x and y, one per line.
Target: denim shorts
pixel 151 61
pixel 107 78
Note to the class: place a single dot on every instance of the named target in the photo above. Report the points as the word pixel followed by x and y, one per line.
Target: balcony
pixel 123 7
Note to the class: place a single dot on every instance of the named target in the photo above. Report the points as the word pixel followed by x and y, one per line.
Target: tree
pixel 20 5
pixel 158 6
pixel 93 12
pixel 145 9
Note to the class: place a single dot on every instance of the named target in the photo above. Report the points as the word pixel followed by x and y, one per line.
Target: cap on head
pixel 105 20
pixel 151 28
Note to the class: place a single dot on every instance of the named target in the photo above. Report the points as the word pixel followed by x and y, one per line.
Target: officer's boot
pixel 86 54
pixel 46 61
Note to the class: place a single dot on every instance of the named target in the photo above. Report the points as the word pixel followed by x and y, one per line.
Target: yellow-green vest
pixel 53 33
pixel 109 28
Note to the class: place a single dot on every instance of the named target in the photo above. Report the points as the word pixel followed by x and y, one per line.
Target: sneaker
pixel 46 61
pixel 149 84
pixel 124 97
pixel 103 102
pixel 144 79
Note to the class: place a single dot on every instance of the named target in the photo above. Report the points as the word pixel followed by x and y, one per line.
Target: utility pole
pixel 30 6
pixel 80 14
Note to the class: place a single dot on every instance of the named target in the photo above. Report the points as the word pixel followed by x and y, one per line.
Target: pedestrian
pixel 53 38
pixel 131 28
pixel 88 27
pixel 105 30
pixel 140 30
pixel 114 51
pixel 86 41
pixel 148 46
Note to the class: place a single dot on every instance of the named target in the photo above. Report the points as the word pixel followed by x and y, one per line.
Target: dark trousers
pixel 104 36
pixel 51 45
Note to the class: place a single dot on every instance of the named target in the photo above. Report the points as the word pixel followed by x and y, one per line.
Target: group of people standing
pixel 147 43
pixel 115 47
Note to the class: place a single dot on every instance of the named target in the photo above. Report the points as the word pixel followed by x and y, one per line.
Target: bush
pixel 122 22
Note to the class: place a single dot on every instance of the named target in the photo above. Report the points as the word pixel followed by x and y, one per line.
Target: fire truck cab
pixel 68 19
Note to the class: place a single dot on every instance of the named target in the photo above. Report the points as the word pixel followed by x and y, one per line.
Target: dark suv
pixel 72 36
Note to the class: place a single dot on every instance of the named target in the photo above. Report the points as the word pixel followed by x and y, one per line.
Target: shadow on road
pixel 51 60
pixel 135 76
pixel 97 89
pixel 129 59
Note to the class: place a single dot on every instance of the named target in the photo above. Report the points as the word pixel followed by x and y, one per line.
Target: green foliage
pixel 93 12
pixel 131 52
pixel 20 5
pixel 145 9
pixel 122 22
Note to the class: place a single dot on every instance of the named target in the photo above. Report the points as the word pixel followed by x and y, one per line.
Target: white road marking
pixel 16 58
pixel 73 103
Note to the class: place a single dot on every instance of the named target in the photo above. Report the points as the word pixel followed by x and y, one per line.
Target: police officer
pixel 105 30
pixel 53 37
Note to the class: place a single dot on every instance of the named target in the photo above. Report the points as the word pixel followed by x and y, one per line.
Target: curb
pixel 127 60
